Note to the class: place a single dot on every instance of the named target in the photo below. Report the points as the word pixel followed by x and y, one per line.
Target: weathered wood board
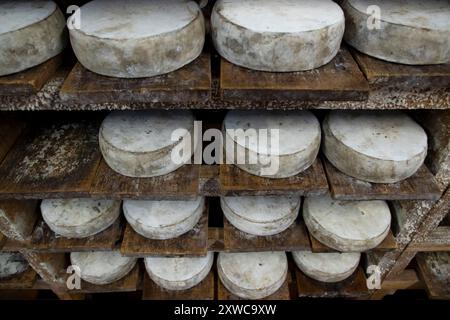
pixel 421 186
pixel 11 127
pixel 18 218
pixel 57 159
pixel 437 240
pixel 24 280
pixel 190 83
pixel 236 182
pixel 30 81
pixel 203 291
pixel 433 269
pixel 340 79
pixel 282 294
pixel 2 241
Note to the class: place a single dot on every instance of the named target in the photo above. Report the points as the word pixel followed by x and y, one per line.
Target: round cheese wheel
pixel 347 226
pixel 12 264
pixel 178 273
pixel 261 216
pixel 281 143
pixel 79 218
pixel 327 267
pixel 279 36
pixel 31 32
pixel 137 38
pixel 410 32
pixel 254 275
pixel 163 219
pixel 102 267
pixel 139 143
pixel 379 147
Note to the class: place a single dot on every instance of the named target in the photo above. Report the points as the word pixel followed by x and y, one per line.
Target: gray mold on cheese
pixel 138 38
pixel 254 275
pixel 347 226
pixel 12 264
pixel 180 273
pixel 327 267
pixel 163 220
pixel 102 267
pixel 79 218
pixel 31 32
pixel 139 144
pixel 261 215
pixel 277 36
pixel 378 147
pixel 412 32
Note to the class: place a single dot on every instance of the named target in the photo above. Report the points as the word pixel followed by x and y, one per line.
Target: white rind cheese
pixel 12 264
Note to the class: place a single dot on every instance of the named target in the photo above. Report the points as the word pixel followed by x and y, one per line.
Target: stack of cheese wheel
pixel 31 32
pixel 180 273
pixel 347 226
pixel 102 267
pixel 327 267
pixel 279 36
pixel 410 32
pixel 79 218
pixel 254 275
pixel 146 144
pixel 163 219
pixel 378 147
pixel 137 38
pixel 12 264
pixel 261 216
pixel 272 144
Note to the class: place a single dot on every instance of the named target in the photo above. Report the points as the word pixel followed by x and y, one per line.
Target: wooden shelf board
pixel 30 81
pixel 438 240
pixel 203 291
pixel 433 269
pixel 237 182
pixel 406 280
pixel 340 79
pixel 193 243
pixel 190 83
pixel 421 186
pixel 282 294
pixel 24 280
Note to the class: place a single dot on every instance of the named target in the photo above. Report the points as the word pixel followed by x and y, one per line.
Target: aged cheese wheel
pixel 298 143
pixel 31 32
pixel 79 218
pixel 163 219
pixel 261 216
pixel 410 32
pixel 12 264
pixel 280 36
pixel 253 275
pixel 180 273
pixel 347 226
pixel 139 144
pixel 138 38
pixel 327 267
pixel 102 267
pixel 379 147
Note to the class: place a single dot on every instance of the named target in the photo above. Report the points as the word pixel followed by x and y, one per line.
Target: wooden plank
pixel 30 81
pixel 353 287
pixel 57 159
pixel 209 185
pixel 2 241
pixel 45 240
pixel 293 239
pixel 24 280
pixel 434 269
pixel 179 185
pixel 192 243
pixel 190 83
pixel 18 218
pixel 421 186
pixel 389 243
pixel 408 279
pixel 203 291
pixel 215 240
pixel 340 79
pixel 385 74
pixel 11 127
pixel 437 240
pixel 237 182
pixel 282 293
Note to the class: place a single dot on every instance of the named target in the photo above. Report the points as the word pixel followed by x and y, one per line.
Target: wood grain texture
pixel 203 291
pixel 18 218
pixel 236 182
pixel 437 240
pixel 192 243
pixel 190 83
pixel 421 186
pixel 11 127
pixel 433 269
pixel 30 81
pixel 182 184
pixel 282 294
pixel 24 280
pixel 340 79
pixel 55 159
